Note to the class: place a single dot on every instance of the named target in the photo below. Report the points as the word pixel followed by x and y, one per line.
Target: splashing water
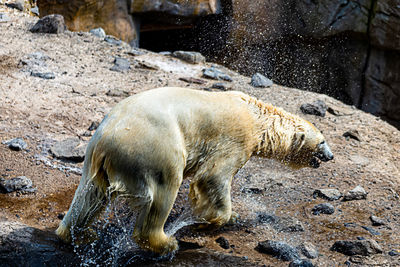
pixel 113 231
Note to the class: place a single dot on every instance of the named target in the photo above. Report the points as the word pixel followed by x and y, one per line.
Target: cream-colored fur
pixel 149 142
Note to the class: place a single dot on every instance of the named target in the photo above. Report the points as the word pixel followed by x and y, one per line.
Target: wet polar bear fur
pixel 151 141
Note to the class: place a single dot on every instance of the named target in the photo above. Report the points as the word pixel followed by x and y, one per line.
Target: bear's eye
pixel 323 142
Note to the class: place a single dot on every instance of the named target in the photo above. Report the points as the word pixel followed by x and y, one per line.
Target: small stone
pixel 20 183
pixel 112 40
pixel 93 126
pixel 99 32
pixel 221 86
pixel 4 18
pixel 117 93
pixel 301 263
pixel 317 108
pixel 309 250
pixel 190 56
pixel 121 64
pixel 61 215
pixel 216 74
pixel 279 249
pixel 192 80
pixel 223 242
pixel 70 149
pixel 19 5
pixel 355 194
pixel 323 208
pixel 147 65
pixel 281 224
pixel 43 75
pixel 136 52
pixel 376 221
pixel 50 24
pixel 259 80
pixel 328 194
pixel 358 247
pixel 372 231
pixel 165 53
pixel 252 190
pixel 354 134
pixel 394 253
pixel 16 144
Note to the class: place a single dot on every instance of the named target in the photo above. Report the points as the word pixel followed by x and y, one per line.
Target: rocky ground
pixel 54 86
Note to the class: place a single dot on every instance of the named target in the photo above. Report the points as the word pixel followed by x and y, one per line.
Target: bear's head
pixel 308 148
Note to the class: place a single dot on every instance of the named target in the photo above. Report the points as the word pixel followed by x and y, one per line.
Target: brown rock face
pixel 84 15
pixel 176 7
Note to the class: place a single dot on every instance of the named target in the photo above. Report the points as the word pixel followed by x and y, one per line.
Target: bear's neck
pixel 275 129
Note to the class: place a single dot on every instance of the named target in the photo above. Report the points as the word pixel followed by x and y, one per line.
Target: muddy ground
pixel 44 111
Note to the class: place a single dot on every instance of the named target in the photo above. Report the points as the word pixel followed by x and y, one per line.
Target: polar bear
pixel 151 141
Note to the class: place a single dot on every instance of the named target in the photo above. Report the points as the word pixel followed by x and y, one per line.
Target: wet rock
pixel 19 5
pixel 355 194
pixel 301 263
pixel 99 32
pixel 223 242
pixel 221 86
pixel 328 194
pixel 112 40
pixel 4 18
pixel 22 245
pixel 20 183
pixel 279 249
pixel 190 57
pixel 372 231
pixel 354 134
pixel 259 80
pixel 93 126
pixel 117 93
pixel 317 108
pixel 136 52
pixel 216 74
pixel 121 64
pixel 281 224
pixel 43 75
pixel 70 149
pixel 16 144
pixel 323 208
pixel 394 253
pixel 376 221
pixel 50 24
pixel 308 250
pixel 357 247
pixel 192 80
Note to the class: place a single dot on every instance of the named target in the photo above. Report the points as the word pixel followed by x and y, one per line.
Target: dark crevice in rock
pixel 371 14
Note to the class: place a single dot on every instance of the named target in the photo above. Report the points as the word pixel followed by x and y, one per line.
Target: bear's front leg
pixel 149 229
pixel 210 192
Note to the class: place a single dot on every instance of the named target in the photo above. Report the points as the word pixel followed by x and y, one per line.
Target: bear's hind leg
pixel 149 229
pixel 88 202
